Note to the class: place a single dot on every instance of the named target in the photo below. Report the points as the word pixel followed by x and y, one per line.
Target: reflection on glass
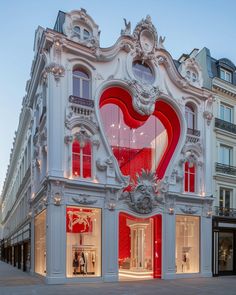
pixel 187 244
pixel 225 251
pixel 134 148
pixel 83 227
pixel 40 243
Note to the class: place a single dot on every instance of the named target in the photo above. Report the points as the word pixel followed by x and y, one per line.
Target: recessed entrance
pixel 139 247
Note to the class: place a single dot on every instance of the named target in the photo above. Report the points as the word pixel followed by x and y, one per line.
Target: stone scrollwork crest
pixel 189 210
pixel 143 196
pixel 144 98
pixel 84 200
pixel 57 70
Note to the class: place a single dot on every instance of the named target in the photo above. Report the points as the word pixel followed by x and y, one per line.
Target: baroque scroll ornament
pixel 144 98
pixel 143 196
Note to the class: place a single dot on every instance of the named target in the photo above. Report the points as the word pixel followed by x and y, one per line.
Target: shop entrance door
pixel 139 247
pixel 226 252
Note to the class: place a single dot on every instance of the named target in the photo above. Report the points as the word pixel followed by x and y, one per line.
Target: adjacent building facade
pixel 111 167
pixel 220 76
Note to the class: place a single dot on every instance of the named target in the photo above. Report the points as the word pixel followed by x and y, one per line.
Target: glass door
pixel 225 252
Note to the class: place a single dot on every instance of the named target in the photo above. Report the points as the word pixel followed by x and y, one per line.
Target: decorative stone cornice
pixel 224 87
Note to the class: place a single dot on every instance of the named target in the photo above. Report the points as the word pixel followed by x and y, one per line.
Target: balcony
pixel 86 102
pixel 224 211
pixel 227 126
pixel 193 135
pixel 226 169
pixel 81 106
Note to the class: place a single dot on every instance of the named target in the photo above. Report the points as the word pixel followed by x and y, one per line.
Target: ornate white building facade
pixel 110 173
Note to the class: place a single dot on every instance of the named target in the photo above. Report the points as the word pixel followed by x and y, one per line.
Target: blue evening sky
pixel 187 24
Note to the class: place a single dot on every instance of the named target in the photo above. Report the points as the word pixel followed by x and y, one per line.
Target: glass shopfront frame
pixel 83 242
pixel 40 243
pixel 187 248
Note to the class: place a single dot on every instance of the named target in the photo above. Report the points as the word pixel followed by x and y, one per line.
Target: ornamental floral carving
pixel 208 116
pixel 144 97
pixel 57 70
pixel 143 196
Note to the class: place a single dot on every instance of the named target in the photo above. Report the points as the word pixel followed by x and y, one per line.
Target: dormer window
pixel 226 75
pixel 81 33
pixel 191 76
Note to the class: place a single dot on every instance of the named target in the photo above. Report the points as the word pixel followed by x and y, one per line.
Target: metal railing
pixel 226 169
pixel 81 101
pixel 227 126
pixel 225 211
pixel 194 132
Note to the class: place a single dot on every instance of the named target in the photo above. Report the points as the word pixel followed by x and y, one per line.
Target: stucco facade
pixel 93 196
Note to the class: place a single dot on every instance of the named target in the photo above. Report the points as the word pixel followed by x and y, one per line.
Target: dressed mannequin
pixel 75 263
pixel 82 263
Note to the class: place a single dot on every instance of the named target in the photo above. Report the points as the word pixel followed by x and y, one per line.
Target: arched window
pixel 189 177
pixel 81 83
pixel 81 159
pixel 190 117
pixel 143 72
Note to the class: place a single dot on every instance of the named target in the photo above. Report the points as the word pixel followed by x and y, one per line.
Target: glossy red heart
pixel 139 142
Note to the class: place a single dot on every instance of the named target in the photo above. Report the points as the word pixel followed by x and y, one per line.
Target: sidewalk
pixel 16 282
pixel 12 276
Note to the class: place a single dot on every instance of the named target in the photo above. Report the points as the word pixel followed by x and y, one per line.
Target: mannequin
pixel 75 263
pixel 82 263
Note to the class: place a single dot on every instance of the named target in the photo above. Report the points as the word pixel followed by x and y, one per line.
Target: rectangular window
pixel 226 113
pixel 40 243
pixel 225 198
pixel 226 75
pixel 83 231
pixel 226 153
pixel 187 244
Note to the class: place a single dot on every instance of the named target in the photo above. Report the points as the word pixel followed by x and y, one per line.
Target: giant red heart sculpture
pixel 139 142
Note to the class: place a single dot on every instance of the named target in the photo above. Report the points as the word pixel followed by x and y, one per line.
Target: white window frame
pixel 81 79
pixel 224 189
pixel 222 156
pixel 224 107
pixel 225 75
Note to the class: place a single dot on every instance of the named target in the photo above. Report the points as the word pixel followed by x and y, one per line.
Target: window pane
pixel 143 72
pixel 85 89
pixel 222 74
pixel 226 254
pixel 76 158
pixel 40 243
pixel 187 244
pixel 86 35
pixel 227 198
pixel 87 168
pixel 80 73
pixel 83 227
pixel 135 149
pixel 222 111
pixel 227 114
pixel 76 86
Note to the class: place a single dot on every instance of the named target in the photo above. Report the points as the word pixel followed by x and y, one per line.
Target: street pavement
pixel 16 282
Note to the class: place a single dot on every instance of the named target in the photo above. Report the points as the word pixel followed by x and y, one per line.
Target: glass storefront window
pixel 139 246
pixel 187 244
pixel 226 255
pixel 40 243
pixel 134 148
pixel 83 230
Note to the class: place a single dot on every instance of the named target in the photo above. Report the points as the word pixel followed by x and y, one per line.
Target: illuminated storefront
pixel 119 174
